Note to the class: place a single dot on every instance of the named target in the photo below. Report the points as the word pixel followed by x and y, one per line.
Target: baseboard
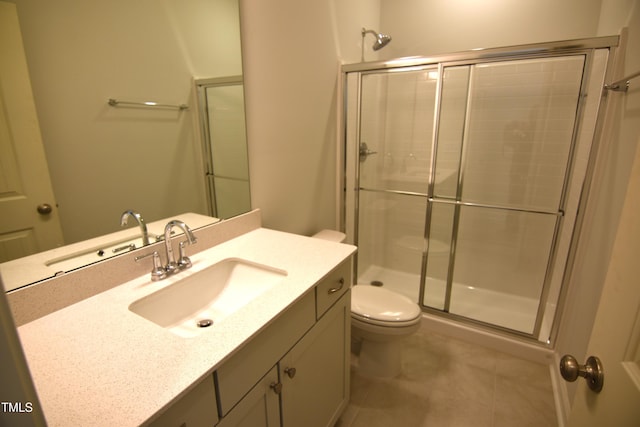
pixel 560 393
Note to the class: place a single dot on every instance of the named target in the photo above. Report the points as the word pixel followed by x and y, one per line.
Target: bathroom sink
pixel 196 302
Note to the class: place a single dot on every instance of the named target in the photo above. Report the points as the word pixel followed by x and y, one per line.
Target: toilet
pixel 380 320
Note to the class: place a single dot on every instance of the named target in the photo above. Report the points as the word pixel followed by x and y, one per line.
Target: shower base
pixel 495 308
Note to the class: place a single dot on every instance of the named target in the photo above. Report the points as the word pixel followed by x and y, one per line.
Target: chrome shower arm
pixel 365 31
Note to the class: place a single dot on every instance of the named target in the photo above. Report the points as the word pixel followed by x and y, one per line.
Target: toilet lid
pixel 376 303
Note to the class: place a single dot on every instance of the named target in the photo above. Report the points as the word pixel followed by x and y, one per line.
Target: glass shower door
pixel 471 173
pixel 395 146
pixel 514 137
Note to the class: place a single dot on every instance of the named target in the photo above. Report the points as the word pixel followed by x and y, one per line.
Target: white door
pixel 616 335
pixel 25 187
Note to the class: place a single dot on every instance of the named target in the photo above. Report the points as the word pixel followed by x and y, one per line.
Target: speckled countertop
pixel 97 363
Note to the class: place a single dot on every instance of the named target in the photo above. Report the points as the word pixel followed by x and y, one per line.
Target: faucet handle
pixel 184 261
pixel 158 272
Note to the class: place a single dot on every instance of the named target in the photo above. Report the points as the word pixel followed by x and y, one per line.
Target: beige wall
pixel 291 73
pixel 82 53
pixel 424 27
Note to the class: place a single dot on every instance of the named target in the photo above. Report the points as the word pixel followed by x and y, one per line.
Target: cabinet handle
pixel 334 290
pixel 291 372
pixel 276 387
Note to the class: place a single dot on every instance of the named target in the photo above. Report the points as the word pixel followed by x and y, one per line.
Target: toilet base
pixel 380 359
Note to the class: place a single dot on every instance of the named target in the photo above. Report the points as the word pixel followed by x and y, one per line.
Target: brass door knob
pixel 591 371
pixel 44 209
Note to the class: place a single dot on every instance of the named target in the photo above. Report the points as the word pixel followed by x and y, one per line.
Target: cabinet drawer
pixel 332 287
pixel 244 369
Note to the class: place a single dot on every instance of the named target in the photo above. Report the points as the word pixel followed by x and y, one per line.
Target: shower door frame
pixel 207 141
pixel 585 47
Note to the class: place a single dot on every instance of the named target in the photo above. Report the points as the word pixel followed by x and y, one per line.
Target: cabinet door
pixel 259 408
pixel 315 372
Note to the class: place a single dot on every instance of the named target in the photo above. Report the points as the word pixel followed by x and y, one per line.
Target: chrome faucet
pixel 143 227
pixel 183 262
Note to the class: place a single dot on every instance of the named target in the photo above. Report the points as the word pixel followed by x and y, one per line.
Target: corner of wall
pixel 17 386
pixel 615 14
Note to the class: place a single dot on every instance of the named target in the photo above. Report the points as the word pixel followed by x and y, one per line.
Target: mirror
pixel 104 159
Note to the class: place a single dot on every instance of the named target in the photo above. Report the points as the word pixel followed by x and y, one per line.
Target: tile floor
pixel 451 383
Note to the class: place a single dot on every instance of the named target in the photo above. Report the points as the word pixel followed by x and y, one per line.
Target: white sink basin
pixel 210 294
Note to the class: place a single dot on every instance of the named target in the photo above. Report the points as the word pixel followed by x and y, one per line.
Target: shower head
pixel 381 39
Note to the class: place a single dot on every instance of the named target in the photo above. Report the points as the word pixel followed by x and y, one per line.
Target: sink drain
pixel 376 283
pixel 204 323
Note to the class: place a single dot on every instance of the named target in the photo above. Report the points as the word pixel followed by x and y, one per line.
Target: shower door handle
pixel 364 151
pixel 590 371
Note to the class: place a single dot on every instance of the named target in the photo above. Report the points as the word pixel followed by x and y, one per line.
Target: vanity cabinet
pixel 296 371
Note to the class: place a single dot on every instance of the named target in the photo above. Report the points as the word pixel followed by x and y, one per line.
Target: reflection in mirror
pixel 33 268
pixel 222 121
pixel 99 159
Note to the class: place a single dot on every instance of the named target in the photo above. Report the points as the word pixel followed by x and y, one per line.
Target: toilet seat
pixel 379 306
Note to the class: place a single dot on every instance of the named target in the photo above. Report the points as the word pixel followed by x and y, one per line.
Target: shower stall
pixel 464 175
